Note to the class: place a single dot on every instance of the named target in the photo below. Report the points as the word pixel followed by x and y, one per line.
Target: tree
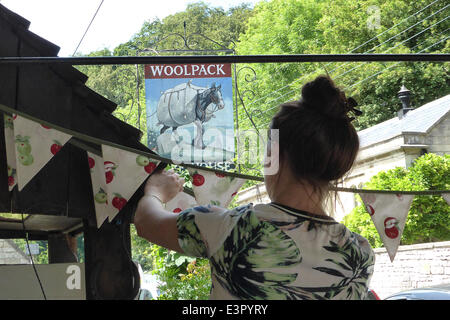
pixel 427 219
pixel 124 84
pixel 342 26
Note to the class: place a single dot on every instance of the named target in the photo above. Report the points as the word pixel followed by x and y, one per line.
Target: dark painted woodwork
pixel 58 94
pixel 110 273
pixel 60 249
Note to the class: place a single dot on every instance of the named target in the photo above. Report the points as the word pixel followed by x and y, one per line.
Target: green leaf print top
pixel 273 252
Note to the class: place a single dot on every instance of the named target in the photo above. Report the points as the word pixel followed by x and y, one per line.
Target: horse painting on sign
pixel 191 114
pixel 185 104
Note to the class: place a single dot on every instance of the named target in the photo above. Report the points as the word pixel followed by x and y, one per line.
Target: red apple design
pixel 11 181
pixel 150 167
pixel 118 201
pixel 177 210
pixel 390 227
pixel 198 180
pixel 109 171
pixel 370 209
pixel 55 147
pixel 109 176
pixel 91 162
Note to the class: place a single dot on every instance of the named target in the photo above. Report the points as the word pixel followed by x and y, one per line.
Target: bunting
pixel 103 208
pixel 35 145
pixel 181 202
pixel 118 174
pixel 10 150
pixel 388 212
pixel 124 172
pixel 214 188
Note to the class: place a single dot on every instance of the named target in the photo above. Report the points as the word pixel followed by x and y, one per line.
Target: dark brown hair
pixel 316 136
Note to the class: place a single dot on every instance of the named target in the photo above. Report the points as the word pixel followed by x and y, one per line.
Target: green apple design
pixel 8 121
pixel 222 185
pixel 23 148
pixel 101 196
pixel 145 162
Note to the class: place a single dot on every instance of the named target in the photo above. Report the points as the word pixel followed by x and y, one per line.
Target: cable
pixel 357 67
pixel 342 65
pixel 375 37
pixel 375 74
pixel 31 257
pixel 92 20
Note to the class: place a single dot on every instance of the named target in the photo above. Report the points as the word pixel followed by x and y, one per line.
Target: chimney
pixel 404 96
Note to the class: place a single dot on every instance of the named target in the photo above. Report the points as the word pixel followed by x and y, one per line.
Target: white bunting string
pixel 124 172
pixel 10 150
pixel 388 213
pixel 103 208
pixel 36 144
pixel 214 188
pixel 181 202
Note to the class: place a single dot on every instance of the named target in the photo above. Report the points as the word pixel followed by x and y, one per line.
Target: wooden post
pixel 61 248
pixel 110 272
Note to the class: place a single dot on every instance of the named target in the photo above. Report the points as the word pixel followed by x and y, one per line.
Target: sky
pixel 63 22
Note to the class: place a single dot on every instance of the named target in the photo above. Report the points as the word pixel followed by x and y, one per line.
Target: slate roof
pixel 419 120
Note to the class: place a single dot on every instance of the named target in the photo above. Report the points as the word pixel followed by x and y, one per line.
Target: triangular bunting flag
pixel 446 197
pixel 181 202
pixel 36 144
pixel 214 188
pixel 103 208
pixel 388 213
pixel 124 171
pixel 10 150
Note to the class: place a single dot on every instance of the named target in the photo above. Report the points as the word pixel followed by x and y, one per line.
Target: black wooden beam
pixel 20 234
pixel 226 59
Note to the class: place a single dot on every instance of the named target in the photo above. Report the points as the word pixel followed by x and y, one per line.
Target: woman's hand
pixel 165 185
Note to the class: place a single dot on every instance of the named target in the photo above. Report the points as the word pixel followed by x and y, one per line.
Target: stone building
pixel 397 143
pixel 392 143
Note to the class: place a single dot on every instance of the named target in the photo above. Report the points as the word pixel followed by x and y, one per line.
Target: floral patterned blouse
pixel 273 252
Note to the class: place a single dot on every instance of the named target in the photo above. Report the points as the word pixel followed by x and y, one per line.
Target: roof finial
pixel 404 95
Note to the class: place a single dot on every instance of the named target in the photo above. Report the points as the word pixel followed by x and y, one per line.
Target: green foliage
pixel 343 26
pixel 184 278
pixel 42 257
pixel 296 27
pixel 428 216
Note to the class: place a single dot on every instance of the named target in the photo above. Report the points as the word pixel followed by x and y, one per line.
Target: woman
pixel 290 248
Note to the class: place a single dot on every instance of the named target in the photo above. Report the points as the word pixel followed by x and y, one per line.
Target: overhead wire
pixel 339 75
pixel 377 73
pixel 337 68
pixel 87 29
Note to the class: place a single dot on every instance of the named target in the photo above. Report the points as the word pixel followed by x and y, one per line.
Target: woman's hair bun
pixel 321 95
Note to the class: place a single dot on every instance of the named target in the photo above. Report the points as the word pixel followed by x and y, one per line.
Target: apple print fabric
pixel 10 150
pixel 35 145
pixel 181 202
pixel 103 208
pixel 388 213
pixel 214 188
pixel 124 172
